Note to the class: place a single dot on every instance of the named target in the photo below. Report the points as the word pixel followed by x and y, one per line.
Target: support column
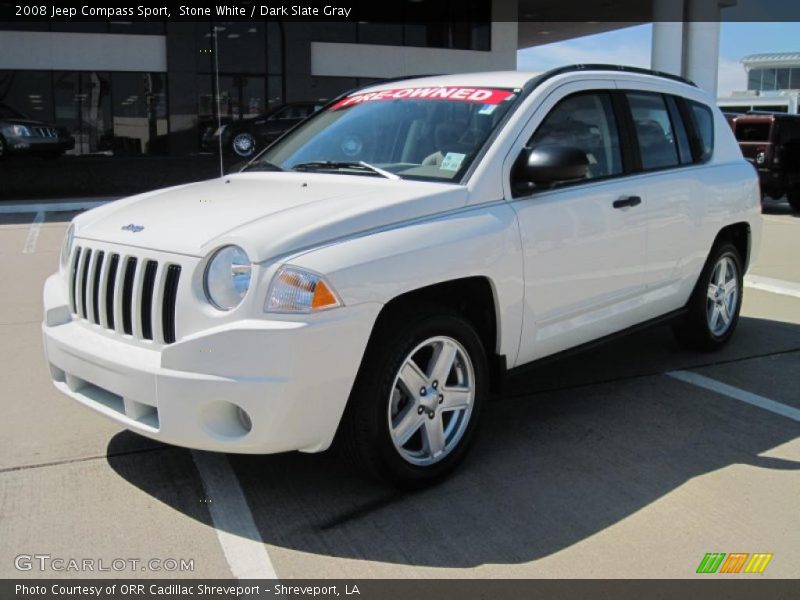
pixel 701 44
pixel 667 46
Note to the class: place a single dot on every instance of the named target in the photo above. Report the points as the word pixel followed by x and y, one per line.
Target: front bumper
pixel 34 145
pixel 290 378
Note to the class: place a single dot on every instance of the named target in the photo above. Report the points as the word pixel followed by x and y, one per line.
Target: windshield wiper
pixel 318 165
pixel 263 165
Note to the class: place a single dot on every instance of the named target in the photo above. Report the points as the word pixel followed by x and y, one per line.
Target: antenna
pixel 219 113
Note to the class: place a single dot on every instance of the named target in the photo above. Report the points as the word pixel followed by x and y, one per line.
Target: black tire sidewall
pixel 374 396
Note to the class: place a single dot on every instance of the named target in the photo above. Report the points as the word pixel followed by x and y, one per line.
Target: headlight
pixel 227 277
pixel 295 290
pixel 19 130
pixel 66 246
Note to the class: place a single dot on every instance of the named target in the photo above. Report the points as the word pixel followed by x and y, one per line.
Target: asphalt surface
pixel 605 464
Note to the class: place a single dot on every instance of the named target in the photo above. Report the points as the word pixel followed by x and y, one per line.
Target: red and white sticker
pixel 461 94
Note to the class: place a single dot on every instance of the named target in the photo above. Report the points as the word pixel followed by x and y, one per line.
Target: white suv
pixel 376 272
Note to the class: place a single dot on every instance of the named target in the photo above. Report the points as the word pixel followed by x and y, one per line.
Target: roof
pixel 772 59
pixel 510 79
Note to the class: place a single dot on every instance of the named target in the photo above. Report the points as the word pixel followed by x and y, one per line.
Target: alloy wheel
pixel 431 400
pixel 723 296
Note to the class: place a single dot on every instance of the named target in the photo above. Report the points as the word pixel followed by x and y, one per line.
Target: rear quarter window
pixel 703 120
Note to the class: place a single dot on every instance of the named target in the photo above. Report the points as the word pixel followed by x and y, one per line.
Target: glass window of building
pixel 782 79
pixel 754 79
pixel 82 104
pixel 140 113
pixel 768 81
pixel 28 93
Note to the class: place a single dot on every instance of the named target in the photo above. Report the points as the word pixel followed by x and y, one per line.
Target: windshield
pixel 429 133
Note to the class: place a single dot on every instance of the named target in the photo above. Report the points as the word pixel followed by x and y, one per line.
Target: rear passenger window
pixel 653 130
pixel 586 122
pixel 704 126
pixel 681 136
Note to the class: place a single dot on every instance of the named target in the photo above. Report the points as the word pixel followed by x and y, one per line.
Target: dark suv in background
pixel 20 134
pixel 771 141
pixel 246 137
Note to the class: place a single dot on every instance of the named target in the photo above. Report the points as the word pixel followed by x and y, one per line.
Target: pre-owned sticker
pixel 452 161
pixel 485 96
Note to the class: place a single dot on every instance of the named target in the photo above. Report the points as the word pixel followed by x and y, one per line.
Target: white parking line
pixel 738 394
pixel 237 532
pixel 775 286
pixel 33 233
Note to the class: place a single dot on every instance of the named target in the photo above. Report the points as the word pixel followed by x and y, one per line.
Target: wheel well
pixel 737 234
pixel 472 297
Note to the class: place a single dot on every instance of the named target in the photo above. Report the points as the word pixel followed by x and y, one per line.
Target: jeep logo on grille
pixel 132 227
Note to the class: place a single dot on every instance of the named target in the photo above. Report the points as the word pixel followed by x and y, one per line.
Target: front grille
pixel 44 132
pixel 124 293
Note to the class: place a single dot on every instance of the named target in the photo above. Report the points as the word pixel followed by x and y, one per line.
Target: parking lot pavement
pixel 611 463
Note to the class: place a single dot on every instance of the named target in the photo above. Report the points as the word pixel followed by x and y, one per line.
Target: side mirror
pixel 548 164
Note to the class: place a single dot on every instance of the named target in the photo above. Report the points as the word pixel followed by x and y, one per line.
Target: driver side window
pixel 584 121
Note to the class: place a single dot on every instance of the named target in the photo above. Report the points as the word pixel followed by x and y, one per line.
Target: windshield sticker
pixel 487 97
pixel 487 109
pixel 452 161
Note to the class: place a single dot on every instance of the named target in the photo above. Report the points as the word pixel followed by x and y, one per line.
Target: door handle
pixel 627 201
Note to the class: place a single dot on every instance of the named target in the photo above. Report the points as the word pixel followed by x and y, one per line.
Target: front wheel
pixel 416 403
pixel 713 309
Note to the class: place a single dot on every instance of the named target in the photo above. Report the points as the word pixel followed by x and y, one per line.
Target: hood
pixel 268 214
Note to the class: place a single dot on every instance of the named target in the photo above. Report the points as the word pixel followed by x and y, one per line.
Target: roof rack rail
pixel 623 68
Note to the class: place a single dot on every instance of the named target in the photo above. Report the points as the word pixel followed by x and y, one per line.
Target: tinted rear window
pixel 704 126
pixel 752 132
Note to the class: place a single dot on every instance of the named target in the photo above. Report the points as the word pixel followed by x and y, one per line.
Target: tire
pixel 793 196
pixel 705 327
pixel 243 144
pixel 383 411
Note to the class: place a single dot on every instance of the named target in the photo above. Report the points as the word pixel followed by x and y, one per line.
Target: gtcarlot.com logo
pixel 46 562
pixel 735 562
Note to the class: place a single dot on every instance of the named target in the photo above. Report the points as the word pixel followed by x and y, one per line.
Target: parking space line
pixel 738 394
pixel 238 535
pixel 775 286
pixel 33 233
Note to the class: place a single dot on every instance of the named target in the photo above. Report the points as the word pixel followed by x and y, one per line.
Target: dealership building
pixel 773 84
pixel 129 88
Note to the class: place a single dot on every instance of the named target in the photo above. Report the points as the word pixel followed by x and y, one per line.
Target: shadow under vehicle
pixel 22 135
pixel 771 141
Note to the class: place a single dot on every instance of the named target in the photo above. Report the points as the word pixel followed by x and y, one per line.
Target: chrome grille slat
pixel 73 280
pixel 98 265
pixel 169 302
pixel 135 296
pixel 87 257
pixel 128 279
pixel 111 284
pixel 146 305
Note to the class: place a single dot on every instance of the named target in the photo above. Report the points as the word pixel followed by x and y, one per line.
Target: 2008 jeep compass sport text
pixel 366 276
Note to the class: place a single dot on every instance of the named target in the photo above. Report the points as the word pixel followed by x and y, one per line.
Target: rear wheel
pixel 415 406
pixel 713 310
pixel 243 144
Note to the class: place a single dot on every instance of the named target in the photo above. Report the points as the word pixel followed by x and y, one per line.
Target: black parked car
pixel 20 134
pixel 247 137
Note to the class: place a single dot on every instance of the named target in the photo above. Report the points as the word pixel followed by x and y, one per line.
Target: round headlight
pixel 227 277
pixel 66 247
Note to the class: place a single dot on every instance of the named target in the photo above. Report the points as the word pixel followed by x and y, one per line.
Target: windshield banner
pixel 462 94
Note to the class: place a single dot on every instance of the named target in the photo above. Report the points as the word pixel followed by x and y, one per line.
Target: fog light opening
pixel 244 419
